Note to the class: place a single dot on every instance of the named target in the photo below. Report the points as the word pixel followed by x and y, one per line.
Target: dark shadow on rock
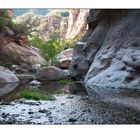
pixel 77 89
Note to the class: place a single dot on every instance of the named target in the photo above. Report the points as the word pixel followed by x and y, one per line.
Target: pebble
pixel 30 112
pixel 72 120
pixel 45 111
pixel 70 97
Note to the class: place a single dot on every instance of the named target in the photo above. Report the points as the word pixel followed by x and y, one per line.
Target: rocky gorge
pixel 96 82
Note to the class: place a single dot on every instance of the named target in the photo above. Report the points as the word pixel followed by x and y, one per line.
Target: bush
pixel 48 49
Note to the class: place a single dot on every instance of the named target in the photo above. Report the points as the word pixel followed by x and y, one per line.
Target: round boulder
pixel 7 76
pixel 64 58
pixel 50 73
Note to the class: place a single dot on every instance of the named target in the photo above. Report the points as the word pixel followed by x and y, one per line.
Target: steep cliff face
pixel 110 52
pixel 77 23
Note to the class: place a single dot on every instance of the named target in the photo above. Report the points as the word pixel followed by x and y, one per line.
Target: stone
pixel 64 58
pixel 15 66
pixel 72 120
pixel 6 76
pixel 34 82
pixel 47 112
pixel 50 73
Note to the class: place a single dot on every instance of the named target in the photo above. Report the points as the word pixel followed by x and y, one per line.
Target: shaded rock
pixel 50 73
pixel 79 65
pixel 64 58
pixel 7 76
pixel 25 78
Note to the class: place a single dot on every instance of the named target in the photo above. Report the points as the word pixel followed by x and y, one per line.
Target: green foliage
pixel 48 49
pixel 36 94
pixel 64 82
pixel 3 20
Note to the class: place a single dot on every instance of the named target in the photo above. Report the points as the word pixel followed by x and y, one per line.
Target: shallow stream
pixel 71 104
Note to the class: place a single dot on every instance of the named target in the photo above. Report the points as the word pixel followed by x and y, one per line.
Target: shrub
pixel 48 49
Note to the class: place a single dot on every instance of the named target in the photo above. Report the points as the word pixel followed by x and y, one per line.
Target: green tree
pixel 48 49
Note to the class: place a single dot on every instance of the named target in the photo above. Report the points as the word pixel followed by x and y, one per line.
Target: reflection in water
pixel 77 89
pixel 122 97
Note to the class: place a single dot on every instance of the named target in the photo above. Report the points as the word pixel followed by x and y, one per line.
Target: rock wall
pixel 109 54
pixel 77 23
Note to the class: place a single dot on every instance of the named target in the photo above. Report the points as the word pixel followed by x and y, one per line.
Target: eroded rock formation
pixel 109 53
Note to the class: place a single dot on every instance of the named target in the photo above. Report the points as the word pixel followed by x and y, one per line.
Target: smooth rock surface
pixel 6 76
pixel 50 73
pixel 6 88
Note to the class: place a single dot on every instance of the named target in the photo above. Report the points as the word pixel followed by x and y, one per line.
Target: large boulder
pixel 7 76
pixel 50 73
pixel 24 56
pixel 64 58
pixel 7 88
pixel 111 50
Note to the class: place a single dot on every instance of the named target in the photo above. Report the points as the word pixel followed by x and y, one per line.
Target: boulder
pixel 7 88
pixel 64 58
pixel 22 55
pixel 50 73
pixel 34 82
pixel 111 51
pixel 7 76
